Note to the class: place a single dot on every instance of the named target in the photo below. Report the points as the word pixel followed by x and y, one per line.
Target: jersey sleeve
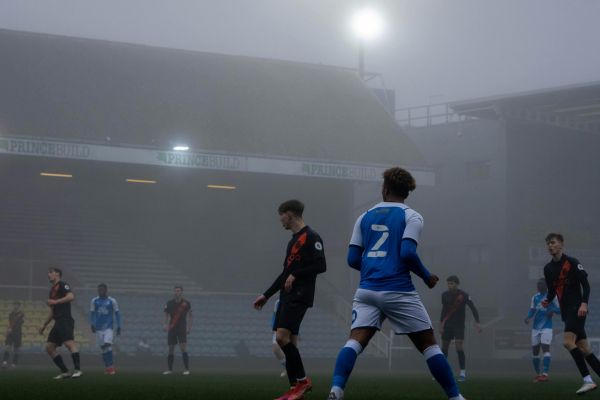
pixel 414 225
pixel 357 238
pixel 115 304
pixel 65 288
pixel 93 305
pixel 316 254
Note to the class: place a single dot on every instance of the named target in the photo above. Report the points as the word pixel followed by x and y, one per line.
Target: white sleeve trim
pixel 357 239
pixel 92 305
pixel 414 225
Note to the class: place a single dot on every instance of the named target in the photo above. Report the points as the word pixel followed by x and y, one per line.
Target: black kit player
pixel 454 302
pixel 304 260
pixel 62 333
pixel 14 335
pixel 178 324
pixel 567 280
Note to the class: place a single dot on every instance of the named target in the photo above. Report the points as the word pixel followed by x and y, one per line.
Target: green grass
pixel 36 385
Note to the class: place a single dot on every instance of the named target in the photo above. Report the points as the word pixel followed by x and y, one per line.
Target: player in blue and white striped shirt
pixel 541 331
pixel 103 311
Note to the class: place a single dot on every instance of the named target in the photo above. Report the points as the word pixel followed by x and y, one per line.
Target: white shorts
pixel 543 336
pixel 404 310
pixel 104 337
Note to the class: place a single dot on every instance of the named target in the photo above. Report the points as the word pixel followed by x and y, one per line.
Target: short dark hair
pixel 398 181
pixel 296 207
pixel 178 287
pixel 554 235
pixel 103 285
pixel 55 269
pixel 453 278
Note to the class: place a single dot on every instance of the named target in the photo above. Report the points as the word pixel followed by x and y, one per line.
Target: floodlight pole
pixel 361 59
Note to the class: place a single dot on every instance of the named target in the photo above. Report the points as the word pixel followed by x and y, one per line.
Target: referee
pixel 304 259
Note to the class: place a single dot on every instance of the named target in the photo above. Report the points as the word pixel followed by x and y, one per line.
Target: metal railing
pixel 428 115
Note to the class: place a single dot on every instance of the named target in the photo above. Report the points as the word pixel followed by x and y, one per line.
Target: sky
pixel 431 51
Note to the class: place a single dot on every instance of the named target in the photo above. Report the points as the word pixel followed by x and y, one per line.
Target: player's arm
pixel 46 322
pixel 354 258
pixel 117 315
pixel 261 300
pixel 531 311
pixel 408 248
pixel 475 313
pixel 166 321
pixel 585 285
pixel 190 320
pixel 551 289
pixel 93 316
pixel 68 297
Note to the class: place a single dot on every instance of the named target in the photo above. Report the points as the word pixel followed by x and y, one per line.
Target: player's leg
pixel 570 343
pixel 107 351
pixel 547 358
pixel 6 354
pixel 407 315
pixel 51 349
pixel 278 353
pixel 71 345
pixel 438 365
pixel 366 321
pixel 535 350
pixel 288 319
pixel 346 359
pixel 445 345
pixel 184 355
pixel 171 355
pixel 590 357
pixel 460 352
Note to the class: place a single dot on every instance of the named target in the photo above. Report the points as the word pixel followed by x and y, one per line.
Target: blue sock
pixel 547 359
pixel 345 363
pixel 441 371
pixel 536 364
pixel 109 358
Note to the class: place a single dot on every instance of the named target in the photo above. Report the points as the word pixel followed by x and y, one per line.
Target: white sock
pixel 459 397
pixel 588 379
pixel 463 372
pixel 338 391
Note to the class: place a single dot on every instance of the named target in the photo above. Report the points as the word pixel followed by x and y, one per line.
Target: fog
pixel 267 96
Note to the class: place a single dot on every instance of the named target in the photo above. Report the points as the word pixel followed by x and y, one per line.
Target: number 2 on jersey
pixel 385 233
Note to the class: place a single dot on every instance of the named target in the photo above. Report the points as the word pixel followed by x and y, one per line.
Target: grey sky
pixel 432 50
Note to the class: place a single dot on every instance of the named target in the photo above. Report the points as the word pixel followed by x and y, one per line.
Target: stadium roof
pixel 90 90
pixel 575 106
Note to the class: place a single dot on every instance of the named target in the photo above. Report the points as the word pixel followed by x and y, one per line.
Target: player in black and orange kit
pixel 454 302
pixel 178 324
pixel 63 331
pixel 14 335
pixel 304 260
pixel 567 280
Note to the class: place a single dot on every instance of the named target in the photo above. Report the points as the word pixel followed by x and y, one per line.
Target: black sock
pixel 75 357
pixel 15 358
pixel 461 358
pixel 170 359
pixel 60 364
pixel 593 362
pixel 5 357
pixel 293 362
pixel 186 360
pixel 580 361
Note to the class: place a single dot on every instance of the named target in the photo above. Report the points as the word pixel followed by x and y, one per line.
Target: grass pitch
pixel 23 384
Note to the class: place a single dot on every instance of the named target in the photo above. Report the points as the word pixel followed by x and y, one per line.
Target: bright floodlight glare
pixel 181 147
pixel 367 24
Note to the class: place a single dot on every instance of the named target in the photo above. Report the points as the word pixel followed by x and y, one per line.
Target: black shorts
pixel 14 339
pixel 575 324
pixel 177 335
pixel 289 316
pixel 62 331
pixel 453 332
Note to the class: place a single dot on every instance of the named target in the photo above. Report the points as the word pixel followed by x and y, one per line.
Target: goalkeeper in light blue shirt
pixel 103 311
pixel 541 331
